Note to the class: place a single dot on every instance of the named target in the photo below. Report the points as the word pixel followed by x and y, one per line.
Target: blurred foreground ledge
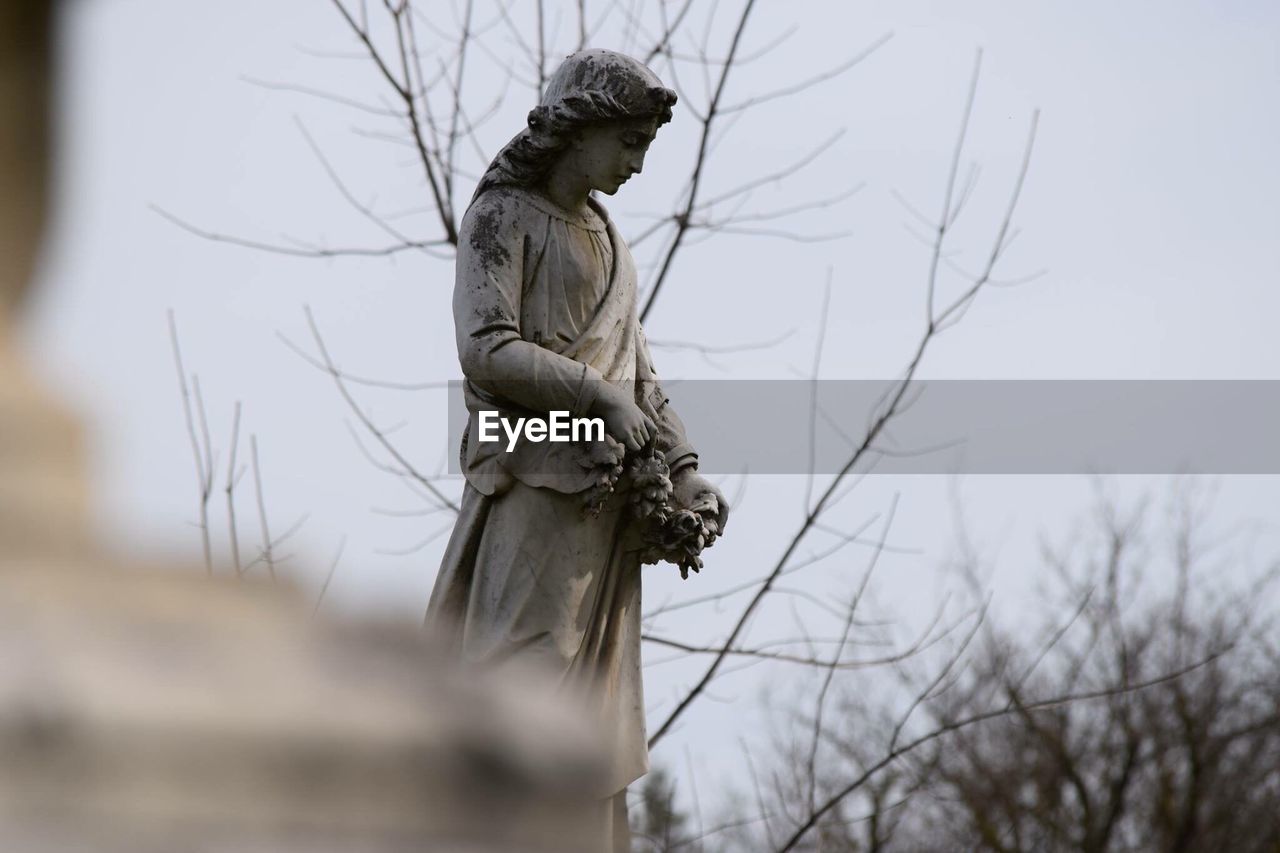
pixel 147 708
pixel 156 710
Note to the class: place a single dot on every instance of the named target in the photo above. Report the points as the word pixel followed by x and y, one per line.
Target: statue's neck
pixel 567 189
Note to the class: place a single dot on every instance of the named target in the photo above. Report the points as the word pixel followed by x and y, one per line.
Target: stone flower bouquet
pixel 667 532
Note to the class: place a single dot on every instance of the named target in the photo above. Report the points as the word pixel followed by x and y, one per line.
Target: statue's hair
pixel 589 87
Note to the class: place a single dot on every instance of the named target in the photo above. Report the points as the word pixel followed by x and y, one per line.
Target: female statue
pixel 544 563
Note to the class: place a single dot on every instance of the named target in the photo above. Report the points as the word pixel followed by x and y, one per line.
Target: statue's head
pixel 600 107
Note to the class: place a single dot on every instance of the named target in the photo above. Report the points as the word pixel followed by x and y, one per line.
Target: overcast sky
pixel 1150 205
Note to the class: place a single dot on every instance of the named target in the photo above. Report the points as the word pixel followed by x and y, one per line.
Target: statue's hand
pixel 623 419
pixel 691 489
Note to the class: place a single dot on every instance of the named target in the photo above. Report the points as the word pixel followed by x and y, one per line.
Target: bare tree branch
pixel 267 544
pixel 378 434
pixel 328 578
pixel 695 179
pixel 957 725
pixel 201 455
pixel 892 402
pixel 233 477
pixel 384 251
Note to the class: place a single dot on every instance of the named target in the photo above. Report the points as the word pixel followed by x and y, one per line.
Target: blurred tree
pixel 659 823
pixel 1142 761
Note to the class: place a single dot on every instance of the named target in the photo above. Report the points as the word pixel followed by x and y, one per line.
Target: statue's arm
pixel 691 488
pixel 486 312
pixel 672 441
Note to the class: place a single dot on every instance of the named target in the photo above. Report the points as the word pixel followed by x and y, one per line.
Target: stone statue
pixel 545 561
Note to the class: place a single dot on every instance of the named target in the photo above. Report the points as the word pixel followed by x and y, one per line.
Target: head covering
pixel 589 87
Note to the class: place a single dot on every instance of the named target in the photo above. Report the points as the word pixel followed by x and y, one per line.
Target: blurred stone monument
pixel 146 708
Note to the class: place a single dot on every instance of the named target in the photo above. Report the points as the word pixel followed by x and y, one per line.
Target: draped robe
pixel 545 310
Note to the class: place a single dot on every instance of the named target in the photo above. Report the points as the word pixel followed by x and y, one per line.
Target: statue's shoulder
pixel 504 204
pixel 497 222
pixel 528 205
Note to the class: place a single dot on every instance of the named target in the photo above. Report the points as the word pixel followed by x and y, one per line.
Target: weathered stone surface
pixel 144 705
pixel 544 564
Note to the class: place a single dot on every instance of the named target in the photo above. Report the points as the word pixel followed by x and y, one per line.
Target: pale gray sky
pixel 1150 204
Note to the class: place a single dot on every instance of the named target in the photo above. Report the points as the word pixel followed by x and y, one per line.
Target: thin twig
pixel 402 86
pixel 361 380
pixel 328 578
pixel 820 703
pixel 203 462
pixel 823 316
pixel 318 252
pixel 810 82
pixel 267 554
pixel 945 220
pixel 233 477
pixel 378 434
pixel 695 179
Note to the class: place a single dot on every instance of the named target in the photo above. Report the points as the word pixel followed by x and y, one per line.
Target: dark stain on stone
pixel 485 241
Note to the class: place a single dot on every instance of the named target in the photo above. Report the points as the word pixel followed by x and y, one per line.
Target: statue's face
pixel 606 155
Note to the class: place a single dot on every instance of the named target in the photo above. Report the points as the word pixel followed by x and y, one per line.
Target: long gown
pixel 545 310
